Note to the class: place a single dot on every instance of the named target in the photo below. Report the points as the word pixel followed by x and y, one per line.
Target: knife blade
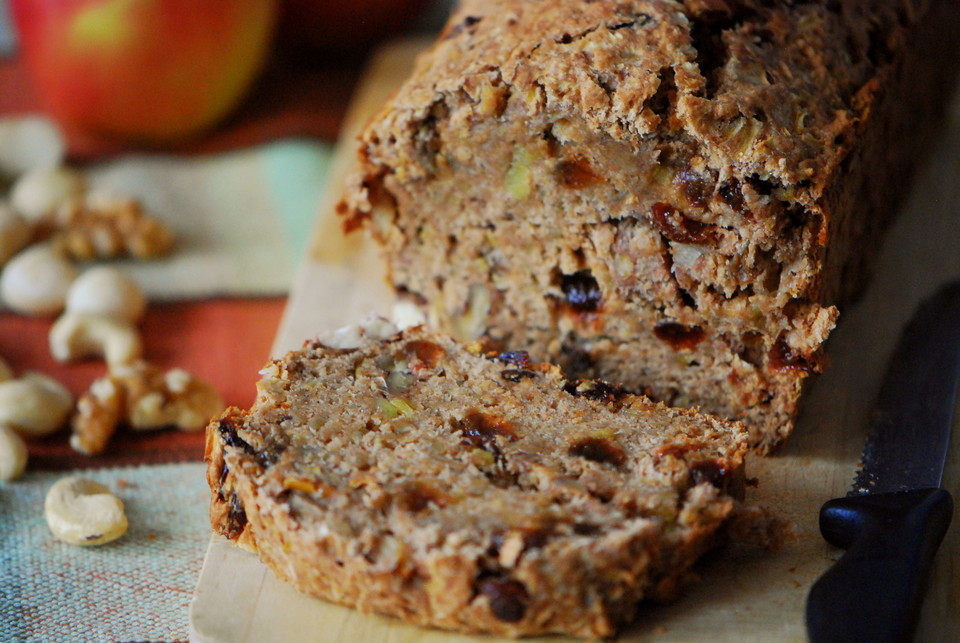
pixel 895 516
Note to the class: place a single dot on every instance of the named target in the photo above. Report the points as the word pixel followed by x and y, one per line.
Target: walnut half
pixel 101 226
pixel 144 398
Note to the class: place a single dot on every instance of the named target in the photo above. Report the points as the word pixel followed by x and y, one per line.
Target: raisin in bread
pixel 415 477
pixel 675 196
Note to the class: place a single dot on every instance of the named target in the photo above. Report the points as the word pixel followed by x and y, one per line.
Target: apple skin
pixel 145 71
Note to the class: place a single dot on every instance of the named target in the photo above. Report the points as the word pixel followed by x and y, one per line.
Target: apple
pixel 146 71
pixel 335 27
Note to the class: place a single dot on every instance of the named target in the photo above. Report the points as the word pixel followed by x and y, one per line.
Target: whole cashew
pixel 84 512
pixel 349 337
pixel 75 336
pixel 28 143
pixel 37 193
pixel 34 404
pixel 106 291
pixel 35 282
pixel 13 454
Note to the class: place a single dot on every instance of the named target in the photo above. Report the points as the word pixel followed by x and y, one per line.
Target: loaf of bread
pixel 415 477
pixel 674 196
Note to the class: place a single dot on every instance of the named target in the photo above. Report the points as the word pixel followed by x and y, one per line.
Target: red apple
pixel 149 71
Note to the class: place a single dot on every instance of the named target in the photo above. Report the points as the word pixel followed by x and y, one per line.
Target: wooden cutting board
pixel 743 594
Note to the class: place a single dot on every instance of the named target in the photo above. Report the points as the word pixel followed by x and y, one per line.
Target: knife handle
pixel 874 592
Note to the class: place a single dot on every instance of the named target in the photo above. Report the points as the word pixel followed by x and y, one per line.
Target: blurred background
pixel 219 117
pixel 219 120
pixel 216 120
pixel 194 76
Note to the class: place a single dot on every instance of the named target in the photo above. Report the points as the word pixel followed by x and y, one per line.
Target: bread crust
pixel 673 196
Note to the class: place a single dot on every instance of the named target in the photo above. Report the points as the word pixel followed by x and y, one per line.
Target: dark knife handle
pixel 874 592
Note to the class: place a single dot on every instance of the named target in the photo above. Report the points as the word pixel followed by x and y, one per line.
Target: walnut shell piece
pixel 104 227
pixel 98 413
pixel 143 397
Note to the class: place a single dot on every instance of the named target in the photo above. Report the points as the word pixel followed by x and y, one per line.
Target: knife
pixel 893 519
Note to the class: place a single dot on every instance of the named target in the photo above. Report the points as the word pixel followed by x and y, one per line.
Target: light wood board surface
pixel 743 594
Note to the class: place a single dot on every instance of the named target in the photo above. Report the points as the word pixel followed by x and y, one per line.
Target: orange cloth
pixel 225 342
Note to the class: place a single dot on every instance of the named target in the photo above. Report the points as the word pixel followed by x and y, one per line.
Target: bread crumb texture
pixel 470 490
pixel 675 196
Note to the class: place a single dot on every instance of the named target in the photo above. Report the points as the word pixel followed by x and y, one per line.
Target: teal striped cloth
pixel 137 588
pixel 242 219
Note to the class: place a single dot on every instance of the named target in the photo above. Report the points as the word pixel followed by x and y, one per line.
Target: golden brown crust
pixel 227 515
pixel 414 478
pixel 671 195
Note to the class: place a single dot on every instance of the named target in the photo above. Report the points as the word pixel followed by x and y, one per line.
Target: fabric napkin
pixel 241 218
pixel 137 588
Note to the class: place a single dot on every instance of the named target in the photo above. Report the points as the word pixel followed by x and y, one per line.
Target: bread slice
pixel 415 477
pixel 674 196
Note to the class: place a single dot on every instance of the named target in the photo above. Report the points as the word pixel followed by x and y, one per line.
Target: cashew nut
pixel 13 454
pixel 37 193
pixel 345 338
pixel 377 328
pixel 406 314
pixel 29 142
pixel 349 337
pixel 15 233
pixel 84 512
pixel 35 282
pixel 106 291
pixel 75 336
pixel 34 404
